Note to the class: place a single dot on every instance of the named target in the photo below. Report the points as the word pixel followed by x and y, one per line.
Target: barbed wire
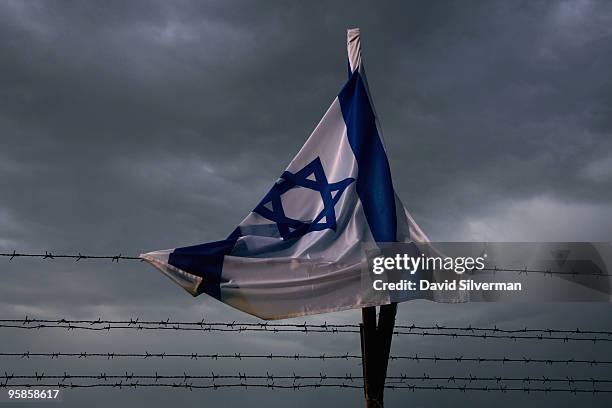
pixel 500 388
pixel 526 271
pixel 495 329
pixel 322 377
pixel 301 386
pixel 77 257
pixel 246 326
pixel 298 356
pixel 121 385
pixel 49 255
pixel 269 328
pixel 227 327
pixel 203 323
pixel 485 336
pixel 502 360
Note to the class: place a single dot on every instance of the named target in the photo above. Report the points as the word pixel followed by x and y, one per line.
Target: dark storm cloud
pixel 512 99
pixel 134 126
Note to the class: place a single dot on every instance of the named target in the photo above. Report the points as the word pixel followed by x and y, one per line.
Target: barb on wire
pixel 115 258
pixel 297 356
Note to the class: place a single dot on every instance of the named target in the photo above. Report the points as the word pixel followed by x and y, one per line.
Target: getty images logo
pixel 412 264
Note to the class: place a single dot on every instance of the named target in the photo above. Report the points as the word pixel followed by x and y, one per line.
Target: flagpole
pixel 375 349
pixel 367 330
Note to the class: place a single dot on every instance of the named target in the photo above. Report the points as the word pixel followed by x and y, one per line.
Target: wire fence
pixel 403 381
pixel 271 381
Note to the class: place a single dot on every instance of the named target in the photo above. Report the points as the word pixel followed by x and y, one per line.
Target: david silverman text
pixel 464 284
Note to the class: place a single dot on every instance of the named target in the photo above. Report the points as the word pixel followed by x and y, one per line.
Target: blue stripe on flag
pixel 374 185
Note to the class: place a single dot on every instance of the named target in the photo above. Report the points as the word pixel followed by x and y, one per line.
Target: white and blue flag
pixel 300 251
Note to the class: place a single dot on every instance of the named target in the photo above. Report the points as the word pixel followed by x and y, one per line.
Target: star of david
pixel 312 176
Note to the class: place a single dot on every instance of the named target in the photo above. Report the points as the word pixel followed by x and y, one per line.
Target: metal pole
pixel 386 324
pixel 368 355
pixel 375 349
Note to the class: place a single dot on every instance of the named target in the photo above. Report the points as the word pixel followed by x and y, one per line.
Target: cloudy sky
pixel 134 126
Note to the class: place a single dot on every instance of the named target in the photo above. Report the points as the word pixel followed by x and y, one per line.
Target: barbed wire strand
pixel 203 323
pixel 232 327
pixel 299 386
pixel 272 377
pixel 297 357
pixel 49 255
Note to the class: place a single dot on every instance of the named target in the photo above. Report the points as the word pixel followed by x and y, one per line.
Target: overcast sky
pixel 135 126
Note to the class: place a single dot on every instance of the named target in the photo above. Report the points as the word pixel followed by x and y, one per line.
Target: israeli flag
pixel 300 251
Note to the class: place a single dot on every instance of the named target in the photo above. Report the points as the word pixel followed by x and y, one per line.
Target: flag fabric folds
pixel 300 251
